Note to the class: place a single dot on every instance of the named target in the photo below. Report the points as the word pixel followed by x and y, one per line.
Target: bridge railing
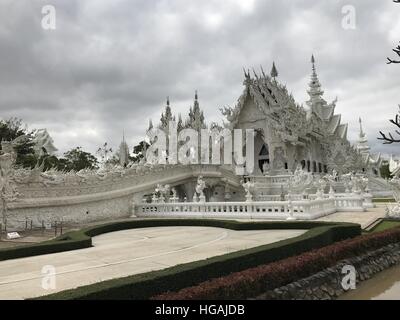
pixel 305 209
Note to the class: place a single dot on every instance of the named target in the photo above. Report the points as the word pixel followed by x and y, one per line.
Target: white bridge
pixel 306 209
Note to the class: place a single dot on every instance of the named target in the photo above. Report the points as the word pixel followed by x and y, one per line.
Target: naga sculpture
pixel 8 189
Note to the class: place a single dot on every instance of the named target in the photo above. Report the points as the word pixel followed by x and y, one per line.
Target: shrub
pixel 254 281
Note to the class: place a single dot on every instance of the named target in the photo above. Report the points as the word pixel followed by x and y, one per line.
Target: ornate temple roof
pixel 273 99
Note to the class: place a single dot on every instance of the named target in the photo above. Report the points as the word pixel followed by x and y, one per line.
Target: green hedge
pixel 144 286
pixel 70 241
pixel 383 200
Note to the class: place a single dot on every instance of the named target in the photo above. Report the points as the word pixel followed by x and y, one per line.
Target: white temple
pixel 288 134
pixel 305 168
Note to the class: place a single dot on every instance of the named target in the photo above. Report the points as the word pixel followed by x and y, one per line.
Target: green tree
pixel 77 159
pixel 10 130
pixel 139 151
pixel 385 172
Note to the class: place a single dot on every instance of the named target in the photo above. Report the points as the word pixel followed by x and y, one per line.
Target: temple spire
pixel 196 99
pixel 167 101
pixel 362 143
pixel 123 151
pixel 274 71
pixel 362 134
pixel 315 91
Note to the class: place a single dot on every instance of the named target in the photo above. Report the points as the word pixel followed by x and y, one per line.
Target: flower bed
pixel 255 281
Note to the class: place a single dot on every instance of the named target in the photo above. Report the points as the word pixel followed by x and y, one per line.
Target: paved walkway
pixel 124 253
pixel 362 218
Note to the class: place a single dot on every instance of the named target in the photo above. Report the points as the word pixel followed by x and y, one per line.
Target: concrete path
pixel 362 218
pixel 124 253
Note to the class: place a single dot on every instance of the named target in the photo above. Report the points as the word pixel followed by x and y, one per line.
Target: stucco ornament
pixel 162 191
pixel 279 159
pixel 300 180
pixel 320 184
pixel 393 211
pixel 346 178
pixel 331 179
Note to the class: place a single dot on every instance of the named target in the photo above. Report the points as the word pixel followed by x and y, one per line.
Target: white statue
pixel 163 191
pixel 201 185
pixel 331 178
pixel 248 188
pixel 174 197
pixel 321 185
pixel 266 168
pixel 346 178
pixel 300 180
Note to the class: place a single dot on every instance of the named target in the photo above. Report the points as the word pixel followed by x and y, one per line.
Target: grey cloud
pixel 110 65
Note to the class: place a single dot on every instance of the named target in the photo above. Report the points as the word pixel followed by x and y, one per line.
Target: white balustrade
pixel 304 209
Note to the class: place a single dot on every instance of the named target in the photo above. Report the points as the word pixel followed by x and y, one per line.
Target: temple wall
pixel 73 213
pixel 84 198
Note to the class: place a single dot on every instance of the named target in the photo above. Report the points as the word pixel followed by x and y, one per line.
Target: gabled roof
pixel 274 101
pixel 328 111
pixel 334 124
pixel 342 131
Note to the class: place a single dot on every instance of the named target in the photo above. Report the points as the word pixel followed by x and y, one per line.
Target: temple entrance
pixel 263 159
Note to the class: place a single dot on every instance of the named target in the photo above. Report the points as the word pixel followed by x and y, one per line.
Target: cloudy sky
pixel 109 65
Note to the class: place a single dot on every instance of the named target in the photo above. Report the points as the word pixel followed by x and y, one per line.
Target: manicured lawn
pixel 383 200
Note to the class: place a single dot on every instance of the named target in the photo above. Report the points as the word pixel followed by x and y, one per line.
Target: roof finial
pixel 196 96
pixel 361 128
pixel 315 91
pixel 274 71
pixel 314 69
pixel 167 101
